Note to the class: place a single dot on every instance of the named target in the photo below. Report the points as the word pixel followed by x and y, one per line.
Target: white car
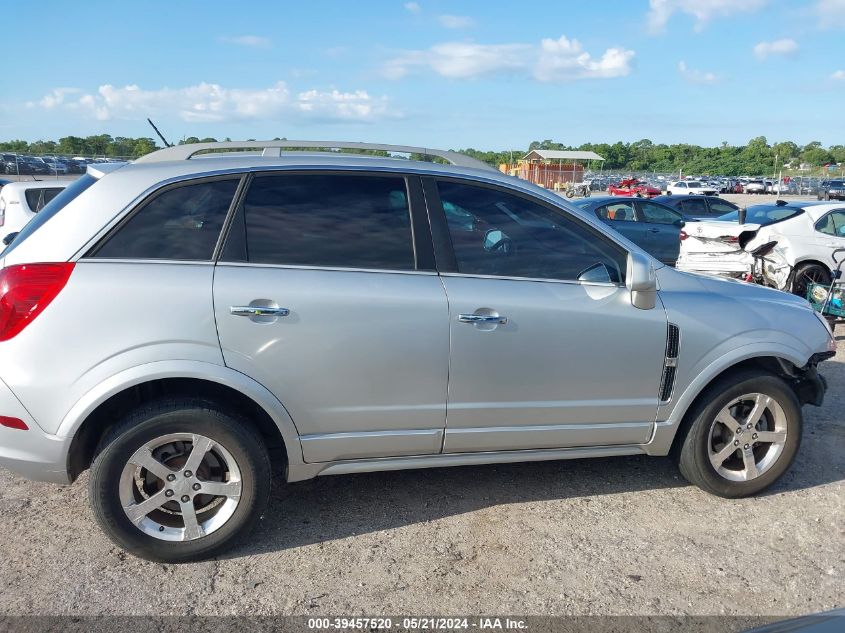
pixel 20 201
pixel 691 187
pixel 755 186
pixel 806 233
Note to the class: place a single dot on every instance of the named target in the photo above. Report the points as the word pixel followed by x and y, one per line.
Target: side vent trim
pixel 670 363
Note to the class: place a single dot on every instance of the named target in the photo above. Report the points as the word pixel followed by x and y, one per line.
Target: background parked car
pixel 652 226
pixel 832 190
pixel 694 207
pixel 633 187
pixel 755 186
pixel 806 233
pixel 20 201
pixel 682 187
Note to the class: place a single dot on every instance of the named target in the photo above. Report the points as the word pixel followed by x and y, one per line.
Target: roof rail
pixel 187 151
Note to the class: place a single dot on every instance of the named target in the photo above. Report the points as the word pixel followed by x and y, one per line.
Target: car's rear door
pixel 326 293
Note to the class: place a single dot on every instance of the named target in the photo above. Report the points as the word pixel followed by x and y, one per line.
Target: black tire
pixel 806 274
pixel 691 448
pixel 179 415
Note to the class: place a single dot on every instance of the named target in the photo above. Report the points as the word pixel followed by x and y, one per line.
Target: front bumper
pixel 31 453
pixel 809 385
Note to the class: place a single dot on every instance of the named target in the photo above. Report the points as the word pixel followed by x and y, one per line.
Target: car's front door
pixel 621 216
pixel 326 294
pixel 663 227
pixel 546 349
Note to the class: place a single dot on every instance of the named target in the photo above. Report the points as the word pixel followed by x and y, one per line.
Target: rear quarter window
pixel 182 222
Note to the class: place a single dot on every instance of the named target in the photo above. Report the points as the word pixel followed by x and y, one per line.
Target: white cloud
pixel 455 21
pixel 785 46
pixel 696 76
pixel 251 41
pixel 661 11
pixel 564 59
pixel 831 13
pixel 212 103
pixel 549 61
pixel 55 98
pixel 839 75
pixel 413 7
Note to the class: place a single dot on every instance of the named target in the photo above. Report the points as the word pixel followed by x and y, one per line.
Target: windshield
pixel 50 209
pixel 763 214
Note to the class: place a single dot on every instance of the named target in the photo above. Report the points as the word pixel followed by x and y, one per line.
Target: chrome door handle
pixel 250 311
pixel 482 318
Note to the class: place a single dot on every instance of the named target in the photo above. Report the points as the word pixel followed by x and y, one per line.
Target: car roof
pixel 677 197
pixel 815 210
pixel 250 161
pixel 594 201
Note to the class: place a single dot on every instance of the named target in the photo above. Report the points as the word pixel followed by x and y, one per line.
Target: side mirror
pixel 641 281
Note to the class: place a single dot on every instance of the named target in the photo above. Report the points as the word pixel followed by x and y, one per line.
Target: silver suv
pixel 190 324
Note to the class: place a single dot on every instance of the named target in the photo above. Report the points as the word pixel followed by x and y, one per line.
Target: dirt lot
pixel 610 536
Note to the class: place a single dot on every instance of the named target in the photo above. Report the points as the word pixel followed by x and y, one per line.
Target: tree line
pixel 757 157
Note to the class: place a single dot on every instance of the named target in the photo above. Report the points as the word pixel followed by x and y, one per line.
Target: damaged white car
pixel 806 234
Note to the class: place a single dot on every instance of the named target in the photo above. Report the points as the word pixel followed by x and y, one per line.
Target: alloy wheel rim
pixel 180 487
pixel 747 437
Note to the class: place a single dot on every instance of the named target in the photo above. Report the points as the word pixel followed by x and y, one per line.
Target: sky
pixel 490 75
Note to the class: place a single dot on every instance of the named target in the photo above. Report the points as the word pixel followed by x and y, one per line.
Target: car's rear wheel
pixel 807 274
pixel 179 480
pixel 742 436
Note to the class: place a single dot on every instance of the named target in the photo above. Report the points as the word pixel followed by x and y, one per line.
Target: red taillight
pixel 25 290
pixel 730 239
pixel 13 423
pixel 683 235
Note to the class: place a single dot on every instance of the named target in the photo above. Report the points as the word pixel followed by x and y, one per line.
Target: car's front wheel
pixel 179 480
pixel 742 436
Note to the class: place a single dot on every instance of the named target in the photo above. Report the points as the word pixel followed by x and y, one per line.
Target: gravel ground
pixel 608 536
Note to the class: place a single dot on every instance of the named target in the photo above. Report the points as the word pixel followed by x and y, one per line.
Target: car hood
pixel 734 289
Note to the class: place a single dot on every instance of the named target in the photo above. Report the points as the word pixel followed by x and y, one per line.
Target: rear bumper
pixel 31 453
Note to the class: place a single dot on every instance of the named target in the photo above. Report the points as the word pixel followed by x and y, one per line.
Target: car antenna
pixel 163 140
pixel 781 203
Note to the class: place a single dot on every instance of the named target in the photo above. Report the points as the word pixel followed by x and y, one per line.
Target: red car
pixel 633 187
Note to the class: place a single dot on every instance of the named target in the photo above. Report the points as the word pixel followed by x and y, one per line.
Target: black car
pixel 17 165
pixel 652 226
pixel 832 190
pixel 698 207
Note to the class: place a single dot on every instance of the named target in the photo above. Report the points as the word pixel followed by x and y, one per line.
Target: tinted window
pixel 329 220
pixel 763 214
pixel 617 212
pixel 34 198
pixel 515 237
pixel 657 214
pixel 720 207
pixel 181 223
pixel 694 206
pixel 832 224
